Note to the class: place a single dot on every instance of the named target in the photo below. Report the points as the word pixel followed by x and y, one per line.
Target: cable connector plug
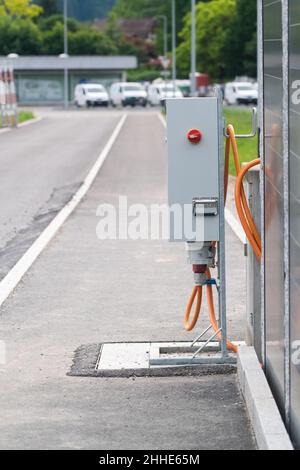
pixel 199 271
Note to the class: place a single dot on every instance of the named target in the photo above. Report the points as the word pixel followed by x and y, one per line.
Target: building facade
pixel 40 79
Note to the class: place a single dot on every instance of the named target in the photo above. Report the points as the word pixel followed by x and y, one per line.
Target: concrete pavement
pixel 81 291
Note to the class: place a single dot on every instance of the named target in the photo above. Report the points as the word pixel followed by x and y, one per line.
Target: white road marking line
pixel 233 223
pixel 162 119
pixel 12 279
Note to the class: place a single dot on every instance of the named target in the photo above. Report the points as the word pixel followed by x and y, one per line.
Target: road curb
pixel 23 124
pixel 266 420
pixel 30 122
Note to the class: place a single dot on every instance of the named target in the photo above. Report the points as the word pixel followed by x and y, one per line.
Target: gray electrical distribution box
pixel 194 173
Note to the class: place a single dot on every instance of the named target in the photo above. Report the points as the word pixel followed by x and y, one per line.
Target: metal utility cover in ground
pixel 124 356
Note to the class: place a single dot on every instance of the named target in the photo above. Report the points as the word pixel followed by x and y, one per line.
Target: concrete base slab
pixel 266 420
pixel 120 356
pixel 137 359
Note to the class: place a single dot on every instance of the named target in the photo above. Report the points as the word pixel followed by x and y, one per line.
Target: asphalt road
pixel 42 165
pixel 81 291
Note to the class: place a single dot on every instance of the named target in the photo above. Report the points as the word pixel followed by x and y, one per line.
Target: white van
pixel 91 94
pixel 241 93
pixel 159 92
pixel 124 94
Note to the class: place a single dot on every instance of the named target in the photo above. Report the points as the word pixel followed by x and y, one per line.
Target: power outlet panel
pixel 194 168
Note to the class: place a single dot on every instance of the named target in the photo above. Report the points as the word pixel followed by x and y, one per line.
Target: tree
pixel 215 23
pixel 243 40
pixel 134 46
pixel 49 22
pixel 20 36
pixel 82 40
pixel 50 7
pixel 90 42
pixel 250 57
pixel 152 8
pixel 19 9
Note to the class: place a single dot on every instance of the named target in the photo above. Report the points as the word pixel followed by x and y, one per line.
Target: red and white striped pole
pixel 13 97
pixel 7 97
pixel 2 96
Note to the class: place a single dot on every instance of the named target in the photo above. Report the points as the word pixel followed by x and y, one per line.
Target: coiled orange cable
pixel 247 224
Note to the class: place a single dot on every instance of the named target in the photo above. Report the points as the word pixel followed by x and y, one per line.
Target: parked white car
pixel 159 92
pixel 91 94
pixel 241 93
pixel 128 94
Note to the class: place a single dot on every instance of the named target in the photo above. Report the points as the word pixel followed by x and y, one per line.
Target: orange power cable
pixel 247 224
pixel 197 291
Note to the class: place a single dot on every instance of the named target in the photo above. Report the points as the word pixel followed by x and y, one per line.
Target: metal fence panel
pixel 274 201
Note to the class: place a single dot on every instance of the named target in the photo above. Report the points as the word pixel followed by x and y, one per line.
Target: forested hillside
pixel 82 10
pixel 90 9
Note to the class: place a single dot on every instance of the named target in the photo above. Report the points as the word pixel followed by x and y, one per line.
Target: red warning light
pixel 194 136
